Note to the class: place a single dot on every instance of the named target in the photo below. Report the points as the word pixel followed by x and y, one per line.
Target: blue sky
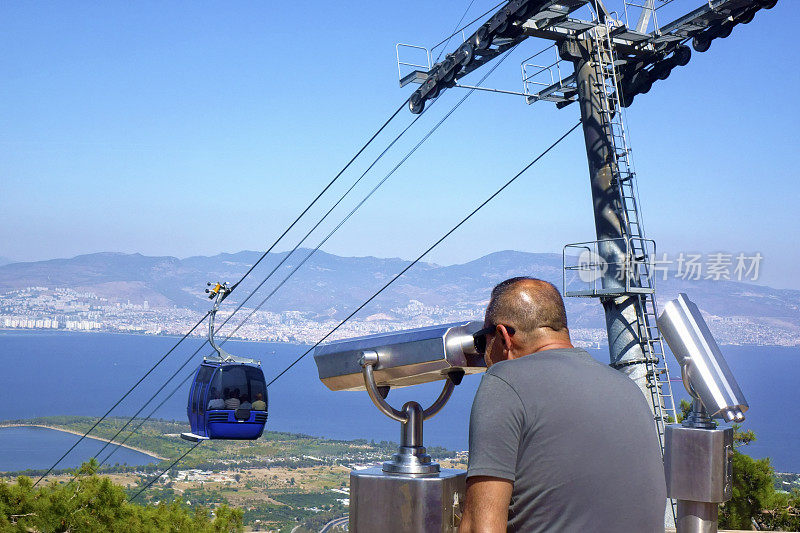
pixel 189 128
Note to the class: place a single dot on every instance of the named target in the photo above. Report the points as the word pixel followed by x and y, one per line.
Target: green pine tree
pixel 92 503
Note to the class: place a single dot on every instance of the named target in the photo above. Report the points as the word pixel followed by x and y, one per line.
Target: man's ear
pixel 503 333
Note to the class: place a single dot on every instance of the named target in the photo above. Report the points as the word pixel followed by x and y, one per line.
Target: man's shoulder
pixel 533 369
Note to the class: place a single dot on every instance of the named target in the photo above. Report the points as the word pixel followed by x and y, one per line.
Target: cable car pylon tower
pixel 613 62
pixel 622 255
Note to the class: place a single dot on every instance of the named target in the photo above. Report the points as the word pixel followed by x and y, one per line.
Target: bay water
pixel 62 373
pixel 37 448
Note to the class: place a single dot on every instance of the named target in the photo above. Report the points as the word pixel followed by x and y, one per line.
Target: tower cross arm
pixel 553 20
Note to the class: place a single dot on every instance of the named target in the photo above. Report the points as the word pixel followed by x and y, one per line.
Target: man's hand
pixel 486 508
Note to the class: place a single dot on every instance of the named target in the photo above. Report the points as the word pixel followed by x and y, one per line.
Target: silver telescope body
pixel 705 373
pixel 404 358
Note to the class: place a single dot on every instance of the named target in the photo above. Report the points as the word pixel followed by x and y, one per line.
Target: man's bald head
pixel 532 306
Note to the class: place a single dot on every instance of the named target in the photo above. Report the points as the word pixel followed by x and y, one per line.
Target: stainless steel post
pixel 697 517
pixel 410 493
pixel 411 429
pixel 411 457
pixel 624 342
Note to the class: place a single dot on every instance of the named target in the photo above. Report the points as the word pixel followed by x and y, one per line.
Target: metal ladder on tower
pixel 639 267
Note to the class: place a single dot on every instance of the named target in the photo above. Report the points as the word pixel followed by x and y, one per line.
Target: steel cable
pixel 143 420
pixel 285 232
pixel 328 236
pixel 467 25
pixel 120 400
pixel 370 193
pixel 252 292
pixel 455 30
pixel 390 282
pixel 176 461
pixel 428 250
pixel 314 201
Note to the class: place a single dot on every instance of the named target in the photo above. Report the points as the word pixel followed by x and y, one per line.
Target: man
pixel 557 441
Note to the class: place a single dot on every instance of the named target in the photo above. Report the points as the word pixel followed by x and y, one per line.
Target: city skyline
pixel 67 310
pixel 164 296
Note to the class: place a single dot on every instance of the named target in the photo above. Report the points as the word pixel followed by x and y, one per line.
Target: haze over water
pixel 84 374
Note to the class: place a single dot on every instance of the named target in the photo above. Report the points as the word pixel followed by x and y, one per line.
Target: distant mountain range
pixel 329 286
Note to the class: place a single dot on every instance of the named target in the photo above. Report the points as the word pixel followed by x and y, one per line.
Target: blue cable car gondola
pixel 228 397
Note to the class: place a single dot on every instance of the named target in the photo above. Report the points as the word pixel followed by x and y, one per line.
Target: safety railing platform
pixel 608 268
pixel 412 70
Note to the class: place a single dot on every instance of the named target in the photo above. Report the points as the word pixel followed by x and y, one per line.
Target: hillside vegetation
pixel 93 503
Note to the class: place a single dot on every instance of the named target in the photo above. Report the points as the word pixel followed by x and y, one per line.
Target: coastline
pixel 101 439
pixel 198 336
pixel 202 336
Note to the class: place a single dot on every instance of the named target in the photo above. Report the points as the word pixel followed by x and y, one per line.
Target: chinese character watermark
pixel 591 267
pixel 717 266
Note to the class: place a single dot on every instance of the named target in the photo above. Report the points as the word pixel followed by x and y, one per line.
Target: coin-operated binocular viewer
pixel 698 455
pixel 409 493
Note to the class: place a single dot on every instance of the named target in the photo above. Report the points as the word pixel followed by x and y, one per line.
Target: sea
pixel 63 373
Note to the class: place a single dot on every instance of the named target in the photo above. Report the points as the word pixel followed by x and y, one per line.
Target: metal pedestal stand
pixel 409 493
pixel 698 467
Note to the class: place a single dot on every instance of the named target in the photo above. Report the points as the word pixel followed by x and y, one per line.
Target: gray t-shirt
pixel 575 437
